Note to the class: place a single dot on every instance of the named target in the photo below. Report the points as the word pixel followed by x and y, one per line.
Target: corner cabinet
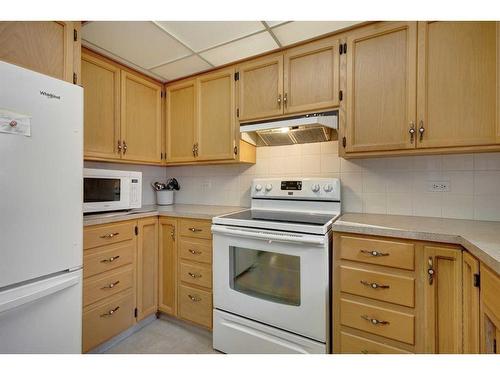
pixel 299 80
pixel 420 88
pixel 122 113
pixel 168 266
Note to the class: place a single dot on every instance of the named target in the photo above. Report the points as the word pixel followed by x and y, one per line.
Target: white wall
pixel 397 185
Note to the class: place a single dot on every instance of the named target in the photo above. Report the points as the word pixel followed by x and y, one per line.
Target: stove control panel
pixel 296 188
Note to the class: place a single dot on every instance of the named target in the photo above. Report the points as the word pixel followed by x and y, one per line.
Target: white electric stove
pixel 271 268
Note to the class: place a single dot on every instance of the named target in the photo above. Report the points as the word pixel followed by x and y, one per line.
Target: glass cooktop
pixel 281 216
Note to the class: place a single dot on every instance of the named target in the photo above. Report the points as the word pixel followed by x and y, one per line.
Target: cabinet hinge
pixel 345 48
pixel 136 230
pixel 75 78
pixel 75 35
pixel 344 141
pixel 477 280
pixel 236 150
pixel 341 49
pixel 135 312
pixel 237 112
pixel 237 76
pixel 341 95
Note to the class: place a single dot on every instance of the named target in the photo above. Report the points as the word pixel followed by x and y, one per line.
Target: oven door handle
pixel 270 236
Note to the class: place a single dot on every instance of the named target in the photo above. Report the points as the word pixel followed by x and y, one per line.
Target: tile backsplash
pixel 396 185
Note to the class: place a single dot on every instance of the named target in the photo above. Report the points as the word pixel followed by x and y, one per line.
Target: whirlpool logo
pixel 49 95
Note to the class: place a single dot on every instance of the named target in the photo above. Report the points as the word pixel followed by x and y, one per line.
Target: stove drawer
pixel 200 275
pixel 389 253
pixel 378 285
pixel 195 305
pixel 197 250
pixel 384 322
pixel 196 228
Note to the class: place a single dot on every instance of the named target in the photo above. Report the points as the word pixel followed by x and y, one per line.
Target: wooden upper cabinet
pixel 443 300
pixel 181 121
pixel 380 105
pixel 458 83
pixel 216 115
pixel 101 83
pixel 260 88
pixel 141 118
pixel 311 76
pixel 47 47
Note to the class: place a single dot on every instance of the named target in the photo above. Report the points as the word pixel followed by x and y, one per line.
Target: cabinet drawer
pixel 196 228
pixel 107 258
pixel 101 324
pixel 107 284
pixel 197 250
pixel 378 285
pixel 195 305
pixel 107 234
pixel 352 344
pixel 380 321
pixel 200 275
pixel 382 252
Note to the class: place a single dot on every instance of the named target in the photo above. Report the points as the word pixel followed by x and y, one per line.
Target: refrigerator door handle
pixel 15 297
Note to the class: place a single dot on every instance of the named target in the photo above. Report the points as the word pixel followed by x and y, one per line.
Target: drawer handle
pixel 110 235
pixel 192 229
pixel 194 298
pixel 194 275
pixel 374 321
pixel 374 253
pixel 110 260
pixel 111 285
pixel 364 351
pixel 374 285
pixel 110 312
pixel 430 270
pixel 194 252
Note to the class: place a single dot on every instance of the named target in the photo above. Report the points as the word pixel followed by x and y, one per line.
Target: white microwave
pixel 110 190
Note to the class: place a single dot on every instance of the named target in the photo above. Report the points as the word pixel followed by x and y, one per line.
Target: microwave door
pixel 105 193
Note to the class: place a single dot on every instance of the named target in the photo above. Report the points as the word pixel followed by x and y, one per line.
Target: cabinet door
pixel 101 83
pixel 470 274
pixel 216 117
pixel 140 118
pixel 260 88
pixel 381 87
pixel 457 84
pixel 181 121
pixel 47 47
pixel 490 311
pixel 311 76
pixel 147 267
pixel 443 300
pixel 168 266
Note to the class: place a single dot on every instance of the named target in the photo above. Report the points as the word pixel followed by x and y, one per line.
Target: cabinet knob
pixel 373 253
pixel 125 148
pixel 412 131
pixel 374 285
pixel 421 130
pixel 110 312
pixel 279 101
pixel 374 321
pixel 111 285
pixel 110 259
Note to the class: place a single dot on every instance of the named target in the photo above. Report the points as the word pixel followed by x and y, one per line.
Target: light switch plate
pixel 438 186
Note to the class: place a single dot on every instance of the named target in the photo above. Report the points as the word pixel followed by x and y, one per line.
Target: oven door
pixel 105 193
pixel 277 278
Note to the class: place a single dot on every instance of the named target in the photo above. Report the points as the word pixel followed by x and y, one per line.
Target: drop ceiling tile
pixel 140 42
pixel 240 49
pixel 274 23
pixel 181 68
pixel 202 35
pixel 297 31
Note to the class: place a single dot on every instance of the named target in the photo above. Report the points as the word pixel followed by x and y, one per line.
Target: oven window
pixel 266 275
pixel 101 190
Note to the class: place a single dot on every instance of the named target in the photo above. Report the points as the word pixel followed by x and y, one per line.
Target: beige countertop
pixel 480 238
pixel 193 211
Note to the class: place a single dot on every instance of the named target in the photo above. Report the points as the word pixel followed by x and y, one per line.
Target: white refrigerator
pixel 41 163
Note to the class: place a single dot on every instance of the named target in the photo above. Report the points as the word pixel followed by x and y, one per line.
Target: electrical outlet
pixel 439 186
pixel 206 184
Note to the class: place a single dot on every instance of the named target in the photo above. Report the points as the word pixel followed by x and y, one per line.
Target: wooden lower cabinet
pixel 470 305
pixel 353 344
pixel 167 262
pixel 489 311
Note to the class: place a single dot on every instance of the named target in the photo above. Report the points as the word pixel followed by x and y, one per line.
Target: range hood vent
pixel 317 127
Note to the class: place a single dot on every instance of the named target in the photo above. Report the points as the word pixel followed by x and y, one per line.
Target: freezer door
pixel 43 317
pixel 40 175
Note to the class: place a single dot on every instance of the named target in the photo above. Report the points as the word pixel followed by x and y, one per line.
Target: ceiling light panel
pixel 297 31
pixel 181 68
pixel 240 49
pixel 140 42
pixel 202 35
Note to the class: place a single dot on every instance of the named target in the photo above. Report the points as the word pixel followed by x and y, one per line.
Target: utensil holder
pixel 164 197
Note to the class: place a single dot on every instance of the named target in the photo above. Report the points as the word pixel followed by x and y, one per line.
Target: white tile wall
pixel 397 185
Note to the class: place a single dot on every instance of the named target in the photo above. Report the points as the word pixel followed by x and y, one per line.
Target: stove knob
pixel 258 187
pixel 315 188
pixel 269 187
pixel 328 188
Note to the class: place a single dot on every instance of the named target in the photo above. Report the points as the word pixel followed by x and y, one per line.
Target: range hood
pixel 316 127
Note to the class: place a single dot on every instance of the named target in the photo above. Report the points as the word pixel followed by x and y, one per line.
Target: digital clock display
pixel 291 185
